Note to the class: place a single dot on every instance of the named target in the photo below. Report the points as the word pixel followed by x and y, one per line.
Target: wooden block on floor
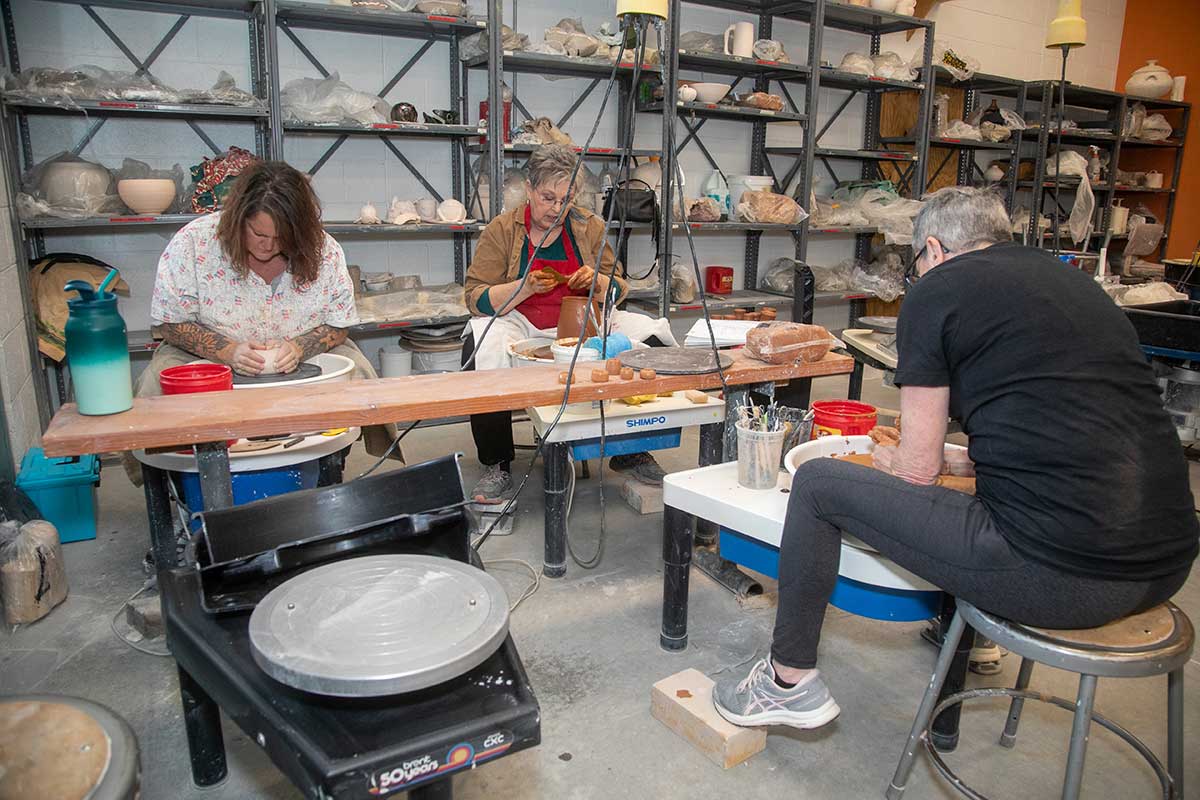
pixel 642 498
pixel 145 615
pixel 683 702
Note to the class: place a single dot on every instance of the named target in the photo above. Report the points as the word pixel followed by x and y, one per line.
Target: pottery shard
pixel 599 376
pixel 613 365
pixel 627 374
pixel 696 396
pixel 648 374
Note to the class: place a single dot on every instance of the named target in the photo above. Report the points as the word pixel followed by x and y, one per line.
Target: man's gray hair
pixel 958 216
pixel 550 164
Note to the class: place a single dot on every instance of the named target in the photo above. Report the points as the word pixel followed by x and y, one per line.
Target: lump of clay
pixel 451 211
pixel 402 212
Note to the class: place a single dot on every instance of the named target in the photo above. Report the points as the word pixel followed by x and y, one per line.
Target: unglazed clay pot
pixel 427 207
pixel 1150 80
pixel 571 317
pixel 147 195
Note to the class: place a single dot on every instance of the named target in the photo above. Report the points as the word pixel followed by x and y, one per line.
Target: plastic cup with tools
pixel 759 452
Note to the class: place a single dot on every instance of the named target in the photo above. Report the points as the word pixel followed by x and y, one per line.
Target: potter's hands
pixel 243 357
pixel 287 356
pixel 538 282
pixel 581 280
pixel 884 458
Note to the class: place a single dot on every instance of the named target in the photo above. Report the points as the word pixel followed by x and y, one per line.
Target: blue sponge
pixel 617 343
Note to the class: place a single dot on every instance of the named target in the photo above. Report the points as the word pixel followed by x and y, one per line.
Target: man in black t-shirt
pixel 1083 512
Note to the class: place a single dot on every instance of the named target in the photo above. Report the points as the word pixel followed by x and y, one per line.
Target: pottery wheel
pixel 675 360
pixel 379 625
pixel 305 370
pixel 879 324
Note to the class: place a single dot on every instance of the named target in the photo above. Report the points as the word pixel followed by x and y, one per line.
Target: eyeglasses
pixel 910 273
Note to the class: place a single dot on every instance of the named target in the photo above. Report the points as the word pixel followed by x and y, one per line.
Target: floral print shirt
pixel 196 282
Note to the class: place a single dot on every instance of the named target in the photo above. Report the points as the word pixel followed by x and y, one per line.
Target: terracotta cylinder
pixel 572 316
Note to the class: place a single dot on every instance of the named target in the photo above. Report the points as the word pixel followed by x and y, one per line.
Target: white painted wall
pixel 1006 37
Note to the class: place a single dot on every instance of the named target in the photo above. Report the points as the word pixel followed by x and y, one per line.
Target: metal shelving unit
pixel 1100 115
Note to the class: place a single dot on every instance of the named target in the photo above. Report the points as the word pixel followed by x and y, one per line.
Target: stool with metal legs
pixel 1151 643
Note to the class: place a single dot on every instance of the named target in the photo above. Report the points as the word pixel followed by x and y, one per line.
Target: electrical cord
pixel 534 585
pixel 149 584
pixel 623 169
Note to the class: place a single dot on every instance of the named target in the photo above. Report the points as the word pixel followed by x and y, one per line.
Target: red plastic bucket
pixel 192 378
pixel 842 418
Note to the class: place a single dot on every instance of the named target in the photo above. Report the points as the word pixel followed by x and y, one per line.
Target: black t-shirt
pixel 1074 456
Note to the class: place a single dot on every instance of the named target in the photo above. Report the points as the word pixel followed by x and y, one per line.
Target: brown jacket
pixel 498 255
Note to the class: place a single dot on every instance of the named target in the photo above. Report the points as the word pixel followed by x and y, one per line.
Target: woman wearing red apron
pixel 507 289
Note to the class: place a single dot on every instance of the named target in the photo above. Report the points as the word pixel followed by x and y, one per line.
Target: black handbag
pixel 633 204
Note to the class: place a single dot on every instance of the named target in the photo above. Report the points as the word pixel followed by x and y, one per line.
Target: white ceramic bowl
pixel 711 92
pixel 833 446
pixel 147 195
pixel 334 369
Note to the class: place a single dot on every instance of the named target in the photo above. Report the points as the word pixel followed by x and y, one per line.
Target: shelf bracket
pixel 303 48
pixel 578 102
pixel 411 168
pixel 836 113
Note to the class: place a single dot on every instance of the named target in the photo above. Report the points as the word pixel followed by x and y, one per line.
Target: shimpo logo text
pixel 645 422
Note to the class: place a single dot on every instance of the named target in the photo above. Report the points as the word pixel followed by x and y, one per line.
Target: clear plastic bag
pixel 961 130
pixel 789 342
pixel 68 187
pixel 960 66
pixel 477 44
pixel 571 37
pixel 771 50
pixel 835 278
pixel 1012 120
pixel 86 82
pixel 33 577
pixel 683 284
pixel 770 208
pixel 704 209
pixel 780 276
pixel 891 66
pixel 331 100
pixel 857 63
pixel 224 92
pixel 701 42
pixel 1071 163
pixel 1134 118
pixel 1155 128
pixel 892 215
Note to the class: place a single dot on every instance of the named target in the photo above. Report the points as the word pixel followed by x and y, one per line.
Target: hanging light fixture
pixel 649 8
pixel 1067 31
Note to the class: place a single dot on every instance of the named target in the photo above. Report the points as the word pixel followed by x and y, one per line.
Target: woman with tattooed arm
pixel 259 275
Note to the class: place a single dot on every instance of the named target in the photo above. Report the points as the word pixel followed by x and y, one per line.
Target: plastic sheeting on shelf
pixel 1071 163
pixel 65 87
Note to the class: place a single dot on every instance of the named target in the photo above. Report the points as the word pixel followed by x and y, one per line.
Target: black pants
pixel 946 537
pixel 492 432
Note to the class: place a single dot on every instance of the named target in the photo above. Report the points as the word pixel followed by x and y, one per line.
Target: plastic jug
pixel 98 350
pixel 715 188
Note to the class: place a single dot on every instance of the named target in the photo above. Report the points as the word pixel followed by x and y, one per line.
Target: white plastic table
pixel 751 523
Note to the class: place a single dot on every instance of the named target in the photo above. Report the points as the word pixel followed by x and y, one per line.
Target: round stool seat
pixel 65 748
pixel 1153 642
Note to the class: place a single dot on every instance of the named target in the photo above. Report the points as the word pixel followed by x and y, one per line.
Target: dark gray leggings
pixel 946 537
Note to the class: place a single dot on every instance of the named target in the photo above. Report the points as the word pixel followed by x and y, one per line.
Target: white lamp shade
pixel 1069 28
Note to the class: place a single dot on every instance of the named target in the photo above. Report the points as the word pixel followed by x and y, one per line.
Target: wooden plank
pixel 683 702
pixel 216 416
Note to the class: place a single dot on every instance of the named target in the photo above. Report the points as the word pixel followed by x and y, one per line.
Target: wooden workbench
pixel 217 416
pixel 211 419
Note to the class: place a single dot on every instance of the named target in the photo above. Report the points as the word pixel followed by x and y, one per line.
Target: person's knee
pixel 811 474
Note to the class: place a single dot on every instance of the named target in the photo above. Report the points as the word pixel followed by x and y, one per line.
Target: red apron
pixel 542 309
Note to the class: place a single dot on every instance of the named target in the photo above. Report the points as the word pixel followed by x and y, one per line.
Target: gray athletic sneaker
pixel 492 485
pixel 758 700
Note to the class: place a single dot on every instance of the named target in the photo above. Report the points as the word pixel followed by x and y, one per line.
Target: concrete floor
pixel 590 645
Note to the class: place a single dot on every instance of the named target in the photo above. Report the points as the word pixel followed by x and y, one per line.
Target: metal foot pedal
pixel 484 515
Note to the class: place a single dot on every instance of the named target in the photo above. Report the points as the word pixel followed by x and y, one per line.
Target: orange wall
pixel 1168 30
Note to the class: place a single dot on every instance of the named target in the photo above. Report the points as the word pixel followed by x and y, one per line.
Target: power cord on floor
pixel 534 584
pixel 149 584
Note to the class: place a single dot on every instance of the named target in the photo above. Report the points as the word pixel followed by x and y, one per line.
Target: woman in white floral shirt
pixel 261 274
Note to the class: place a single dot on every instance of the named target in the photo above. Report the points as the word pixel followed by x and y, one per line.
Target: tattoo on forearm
pixel 196 339
pixel 320 339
